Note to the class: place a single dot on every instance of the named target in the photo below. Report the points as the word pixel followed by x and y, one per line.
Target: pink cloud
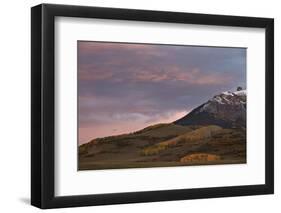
pixel 153 74
pixel 139 49
pixel 99 74
pixel 174 73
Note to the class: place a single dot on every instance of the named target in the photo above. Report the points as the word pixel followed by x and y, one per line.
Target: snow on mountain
pixel 227 109
pixel 241 92
pixel 228 97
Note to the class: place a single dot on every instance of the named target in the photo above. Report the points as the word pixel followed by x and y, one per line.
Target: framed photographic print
pixel 139 106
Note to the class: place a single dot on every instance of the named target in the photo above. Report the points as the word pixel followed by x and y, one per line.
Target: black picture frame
pixel 43 102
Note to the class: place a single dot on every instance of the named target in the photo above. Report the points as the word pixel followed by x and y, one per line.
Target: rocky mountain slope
pixel 227 109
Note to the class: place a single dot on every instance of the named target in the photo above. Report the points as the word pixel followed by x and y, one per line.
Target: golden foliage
pixel 200 157
pixel 195 135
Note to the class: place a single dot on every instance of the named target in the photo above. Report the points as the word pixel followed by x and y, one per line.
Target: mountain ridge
pixel 227 109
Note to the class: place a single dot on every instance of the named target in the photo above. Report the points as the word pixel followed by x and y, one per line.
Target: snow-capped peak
pixel 230 98
pixel 241 92
pixel 227 93
pixel 238 92
pixel 226 109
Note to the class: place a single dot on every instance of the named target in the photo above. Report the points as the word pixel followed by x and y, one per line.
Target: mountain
pixel 212 133
pixel 227 110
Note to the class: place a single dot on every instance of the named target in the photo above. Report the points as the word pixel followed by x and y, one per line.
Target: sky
pixel 124 87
